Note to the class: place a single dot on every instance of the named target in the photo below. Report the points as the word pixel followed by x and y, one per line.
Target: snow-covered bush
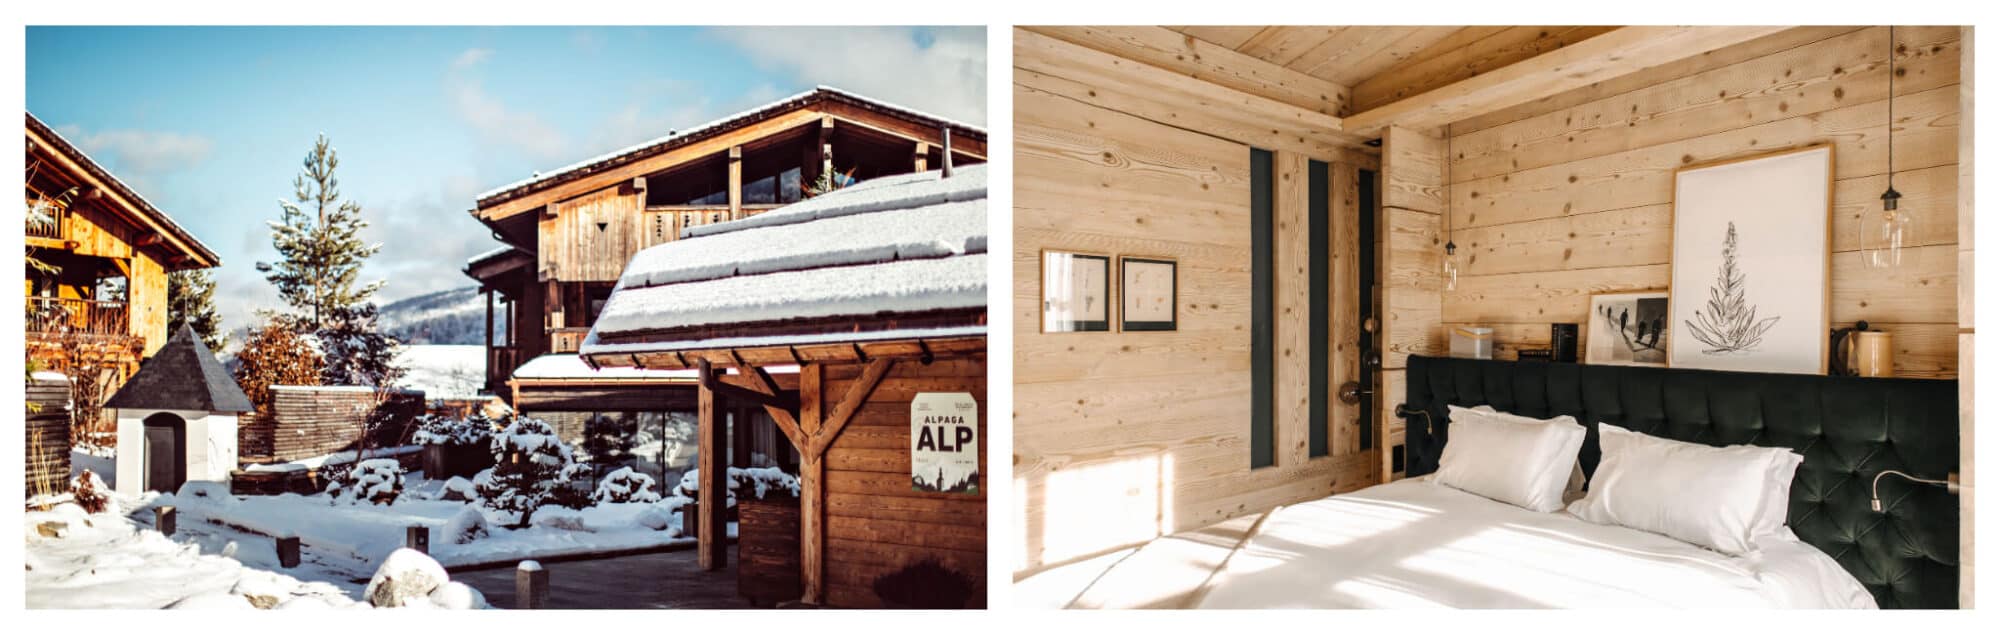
pixel 558 517
pixel 458 488
pixel 459 596
pixel 658 517
pixel 532 468
pixel 90 492
pixel 755 483
pixel 378 481
pixel 209 492
pixel 443 430
pixel 467 525
pixel 625 486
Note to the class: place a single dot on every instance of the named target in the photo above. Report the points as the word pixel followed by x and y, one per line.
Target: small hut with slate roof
pixel 177 419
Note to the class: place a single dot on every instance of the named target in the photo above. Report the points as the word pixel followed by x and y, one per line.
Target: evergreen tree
pixel 356 353
pixel 320 252
pixel 191 301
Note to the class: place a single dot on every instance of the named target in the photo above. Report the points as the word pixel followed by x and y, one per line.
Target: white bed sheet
pixel 1413 543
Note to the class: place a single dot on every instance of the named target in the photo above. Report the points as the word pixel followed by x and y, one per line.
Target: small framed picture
pixel 1149 291
pixel 1628 329
pixel 1076 292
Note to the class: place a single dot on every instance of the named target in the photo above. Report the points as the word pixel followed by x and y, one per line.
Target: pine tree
pixel 191 301
pixel 320 252
pixel 356 353
pixel 1728 323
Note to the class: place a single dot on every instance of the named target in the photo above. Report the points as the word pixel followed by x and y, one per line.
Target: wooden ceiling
pixel 1385 63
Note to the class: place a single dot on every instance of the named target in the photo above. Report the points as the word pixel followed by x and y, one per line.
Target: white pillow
pixel 1572 490
pixel 1720 498
pixel 1522 464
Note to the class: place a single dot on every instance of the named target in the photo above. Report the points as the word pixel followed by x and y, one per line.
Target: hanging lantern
pixel 1884 235
pixel 1448 270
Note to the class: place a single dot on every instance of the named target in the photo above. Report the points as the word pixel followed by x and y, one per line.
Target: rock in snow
pixel 406 577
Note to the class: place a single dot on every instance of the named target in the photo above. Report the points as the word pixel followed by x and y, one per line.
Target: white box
pixel 1472 342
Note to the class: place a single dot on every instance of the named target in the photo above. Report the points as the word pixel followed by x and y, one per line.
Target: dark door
pixel 166 453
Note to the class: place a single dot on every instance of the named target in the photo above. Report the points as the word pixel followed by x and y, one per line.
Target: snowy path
pixel 105 561
pixel 671 580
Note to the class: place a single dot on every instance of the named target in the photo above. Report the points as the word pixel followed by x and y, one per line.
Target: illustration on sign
pixel 944 443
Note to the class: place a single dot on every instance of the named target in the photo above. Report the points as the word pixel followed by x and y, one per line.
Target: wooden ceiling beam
pixel 1193 57
pixel 1621 51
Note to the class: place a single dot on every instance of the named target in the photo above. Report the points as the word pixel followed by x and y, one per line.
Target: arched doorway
pixel 166 452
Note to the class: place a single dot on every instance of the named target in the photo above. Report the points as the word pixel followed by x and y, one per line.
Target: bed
pixel 1416 544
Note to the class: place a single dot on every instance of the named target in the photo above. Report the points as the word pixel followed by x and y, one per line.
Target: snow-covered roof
pixel 146 207
pixel 900 245
pixel 569 366
pixel 725 123
pixel 490 254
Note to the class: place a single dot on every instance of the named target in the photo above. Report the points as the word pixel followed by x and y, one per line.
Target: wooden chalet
pixel 569 232
pixel 877 295
pixel 93 230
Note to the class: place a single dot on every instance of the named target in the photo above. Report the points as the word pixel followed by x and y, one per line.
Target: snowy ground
pixel 222 541
pixel 443 371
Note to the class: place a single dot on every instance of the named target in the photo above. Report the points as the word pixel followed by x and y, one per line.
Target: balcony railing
pixel 54 227
pixel 64 316
pixel 500 364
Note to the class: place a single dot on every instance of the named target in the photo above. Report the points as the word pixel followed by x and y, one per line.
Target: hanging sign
pixel 944 443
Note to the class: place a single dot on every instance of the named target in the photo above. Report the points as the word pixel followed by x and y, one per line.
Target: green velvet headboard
pixel 1848 428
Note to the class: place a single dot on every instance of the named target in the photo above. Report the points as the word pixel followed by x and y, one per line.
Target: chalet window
pixel 1262 433
pixel 1318 275
pixel 789 189
pixel 762 191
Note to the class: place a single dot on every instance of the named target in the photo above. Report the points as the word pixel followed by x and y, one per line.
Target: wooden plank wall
pixel 309 421
pixel 575 249
pixel 875 523
pixel 1571 195
pixel 47 441
pixel 1122 437
pixel 1409 253
pixel 99 234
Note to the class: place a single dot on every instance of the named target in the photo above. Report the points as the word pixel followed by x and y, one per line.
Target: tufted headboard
pixel 1848 429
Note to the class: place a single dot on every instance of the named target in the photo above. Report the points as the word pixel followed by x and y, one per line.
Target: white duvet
pixel 1413 543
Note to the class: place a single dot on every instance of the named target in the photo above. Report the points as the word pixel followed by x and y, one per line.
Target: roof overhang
pixel 113 194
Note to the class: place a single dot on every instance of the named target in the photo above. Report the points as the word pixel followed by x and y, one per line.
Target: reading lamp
pixel 1405 411
pixel 1950 484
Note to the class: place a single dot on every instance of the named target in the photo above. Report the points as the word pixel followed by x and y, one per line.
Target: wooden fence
pixel 47 437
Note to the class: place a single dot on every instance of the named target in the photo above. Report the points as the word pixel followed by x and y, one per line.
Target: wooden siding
pixel 1123 437
pixel 875 523
pixel 590 238
pixel 1575 197
pixel 309 421
pixel 47 441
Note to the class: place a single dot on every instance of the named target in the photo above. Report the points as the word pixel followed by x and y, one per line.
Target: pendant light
pixel 1884 235
pixel 1448 273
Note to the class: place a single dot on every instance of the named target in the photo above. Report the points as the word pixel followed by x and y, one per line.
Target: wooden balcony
pixel 500 364
pixel 55 230
pixel 58 328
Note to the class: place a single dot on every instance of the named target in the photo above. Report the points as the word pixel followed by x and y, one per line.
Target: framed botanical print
pixel 1628 329
pixel 1752 263
pixel 1147 288
pixel 1076 292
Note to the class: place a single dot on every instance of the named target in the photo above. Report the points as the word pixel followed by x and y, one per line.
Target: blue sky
pixel 210 123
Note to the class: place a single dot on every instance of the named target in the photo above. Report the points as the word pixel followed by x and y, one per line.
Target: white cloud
pixel 495 122
pixel 141 153
pixel 945 76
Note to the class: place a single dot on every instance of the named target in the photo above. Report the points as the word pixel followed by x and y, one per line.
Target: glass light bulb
pixel 1884 235
pixel 1449 273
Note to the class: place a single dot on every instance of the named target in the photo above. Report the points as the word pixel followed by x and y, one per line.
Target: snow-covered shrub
pixel 558 517
pixel 458 488
pixel 467 525
pixel 658 517
pixel 456 595
pixel 90 492
pixel 378 481
pixel 443 430
pixel 204 492
pixel 755 483
pixel 625 486
pixel 407 575
pixel 532 468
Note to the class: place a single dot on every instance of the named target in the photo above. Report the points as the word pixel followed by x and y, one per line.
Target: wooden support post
pixel 812 489
pixel 923 158
pixel 735 182
pixel 489 323
pixel 691 520
pixel 288 551
pixel 531 585
pixel 712 546
pixel 417 537
pixel 164 519
pixel 826 144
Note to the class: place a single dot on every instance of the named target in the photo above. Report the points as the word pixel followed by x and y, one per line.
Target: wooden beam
pixel 1198 59
pixel 812 490
pixel 850 403
pixel 711 543
pixel 735 182
pixel 1055 67
pixel 922 158
pixel 786 419
pixel 1596 59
